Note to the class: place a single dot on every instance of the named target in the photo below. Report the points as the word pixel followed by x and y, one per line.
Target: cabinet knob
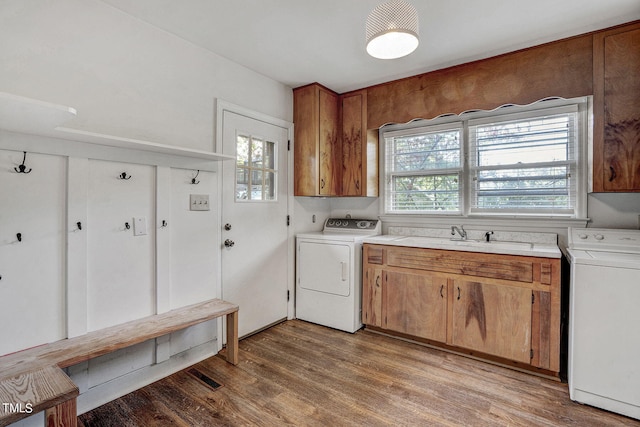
pixel 229 243
pixel 227 226
pixel 377 281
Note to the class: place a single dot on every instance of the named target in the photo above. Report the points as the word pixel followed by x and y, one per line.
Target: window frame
pixel 250 169
pixel 448 126
pixel 584 121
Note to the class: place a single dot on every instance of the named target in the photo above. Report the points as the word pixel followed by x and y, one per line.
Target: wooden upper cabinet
pixel 334 153
pixel 359 150
pixel 616 136
pixel 316 146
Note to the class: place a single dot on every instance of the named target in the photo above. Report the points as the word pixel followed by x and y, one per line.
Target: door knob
pixel 227 226
pixel 229 243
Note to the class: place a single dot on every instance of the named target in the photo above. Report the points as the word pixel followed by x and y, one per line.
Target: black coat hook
pixel 19 235
pixel 79 224
pixel 22 168
pixel 123 175
pixel 164 224
pixel 193 180
pixel 126 225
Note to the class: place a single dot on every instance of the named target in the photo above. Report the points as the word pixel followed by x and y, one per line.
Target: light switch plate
pixel 199 202
pixel 140 226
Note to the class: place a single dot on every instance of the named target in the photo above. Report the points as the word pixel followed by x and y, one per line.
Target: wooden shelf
pixel 35 117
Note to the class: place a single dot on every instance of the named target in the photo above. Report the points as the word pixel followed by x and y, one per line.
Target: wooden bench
pixel 32 380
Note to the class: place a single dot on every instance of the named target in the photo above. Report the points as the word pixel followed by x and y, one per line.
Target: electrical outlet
pixel 139 226
pixel 199 202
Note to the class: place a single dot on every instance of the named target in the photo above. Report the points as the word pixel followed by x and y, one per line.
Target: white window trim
pixel 585 121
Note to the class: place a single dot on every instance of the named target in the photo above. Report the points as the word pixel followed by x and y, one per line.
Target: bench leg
pixel 62 415
pixel 232 338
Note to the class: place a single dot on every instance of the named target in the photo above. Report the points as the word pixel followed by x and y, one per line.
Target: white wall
pixel 614 210
pixel 125 77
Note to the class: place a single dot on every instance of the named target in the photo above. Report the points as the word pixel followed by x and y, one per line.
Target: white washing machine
pixel 329 273
pixel 604 343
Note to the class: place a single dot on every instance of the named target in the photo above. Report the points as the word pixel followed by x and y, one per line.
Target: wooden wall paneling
pixel 193 266
pixel 193 273
pixel 32 270
pixel 121 266
pixel 562 68
pixel 163 204
pixel 76 253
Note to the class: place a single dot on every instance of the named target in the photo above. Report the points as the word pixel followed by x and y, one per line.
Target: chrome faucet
pixel 461 232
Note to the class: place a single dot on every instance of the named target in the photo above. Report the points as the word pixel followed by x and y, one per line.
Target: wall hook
pixel 193 180
pixel 22 168
pixel 123 175
pixel 79 224
pixel 19 236
pixel 126 225
pixel 164 224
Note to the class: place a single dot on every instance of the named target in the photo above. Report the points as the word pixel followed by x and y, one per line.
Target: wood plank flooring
pixel 300 374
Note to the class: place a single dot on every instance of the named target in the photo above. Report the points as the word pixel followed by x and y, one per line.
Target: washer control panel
pixel 600 239
pixel 352 225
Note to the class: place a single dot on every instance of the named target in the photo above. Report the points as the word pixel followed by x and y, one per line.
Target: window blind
pixel 524 163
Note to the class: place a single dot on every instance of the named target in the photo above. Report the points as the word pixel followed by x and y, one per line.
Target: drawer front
pixel 480 265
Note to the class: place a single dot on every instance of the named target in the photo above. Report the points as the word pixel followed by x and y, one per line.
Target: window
pixel 424 170
pixel 516 161
pixel 255 169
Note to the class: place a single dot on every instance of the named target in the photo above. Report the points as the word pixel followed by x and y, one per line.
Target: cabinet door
pixel 617 110
pixel 353 141
pixel 372 296
pixel 359 148
pixel 329 167
pixel 305 117
pixel 416 304
pixel 316 149
pixel 493 319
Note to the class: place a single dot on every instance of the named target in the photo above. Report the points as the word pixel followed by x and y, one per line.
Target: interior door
pixel 255 250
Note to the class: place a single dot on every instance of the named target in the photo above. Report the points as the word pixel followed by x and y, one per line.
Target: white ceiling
pixel 302 41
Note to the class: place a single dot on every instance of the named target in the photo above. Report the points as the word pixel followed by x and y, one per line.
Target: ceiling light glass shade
pixel 392 30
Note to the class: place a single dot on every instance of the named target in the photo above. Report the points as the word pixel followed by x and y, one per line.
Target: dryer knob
pixel 599 237
pixel 583 236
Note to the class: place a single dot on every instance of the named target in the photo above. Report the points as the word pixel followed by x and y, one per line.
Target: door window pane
pixel 256 174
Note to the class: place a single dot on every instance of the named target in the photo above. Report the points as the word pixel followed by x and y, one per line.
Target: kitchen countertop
pixel 544 250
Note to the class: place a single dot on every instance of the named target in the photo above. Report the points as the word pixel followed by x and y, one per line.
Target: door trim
pixel 221 107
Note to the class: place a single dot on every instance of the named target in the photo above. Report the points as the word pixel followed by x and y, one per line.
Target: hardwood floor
pixel 301 374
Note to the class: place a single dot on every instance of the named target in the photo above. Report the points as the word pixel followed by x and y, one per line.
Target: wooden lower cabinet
pixel 372 296
pixel 492 319
pixel 416 304
pixel 504 308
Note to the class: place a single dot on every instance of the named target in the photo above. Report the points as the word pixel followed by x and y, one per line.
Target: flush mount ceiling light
pixel 392 30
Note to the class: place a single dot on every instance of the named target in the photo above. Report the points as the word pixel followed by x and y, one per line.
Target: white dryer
pixel 329 273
